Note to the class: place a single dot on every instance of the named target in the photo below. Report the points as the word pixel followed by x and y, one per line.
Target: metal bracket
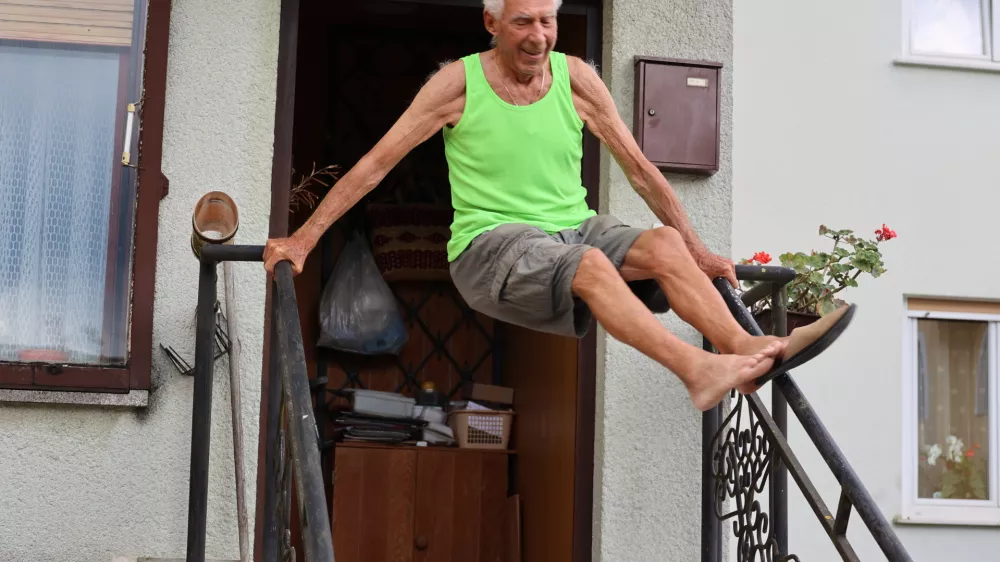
pixel 222 344
pixel 126 156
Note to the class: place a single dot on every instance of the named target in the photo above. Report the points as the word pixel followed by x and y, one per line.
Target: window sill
pixel 956 520
pixel 933 62
pixel 134 399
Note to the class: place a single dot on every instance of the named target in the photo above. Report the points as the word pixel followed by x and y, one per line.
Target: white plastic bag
pixel 358 312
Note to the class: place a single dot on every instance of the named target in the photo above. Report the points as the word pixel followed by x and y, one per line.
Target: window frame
pixel 991 31
pixel 942 511
pixel 151 186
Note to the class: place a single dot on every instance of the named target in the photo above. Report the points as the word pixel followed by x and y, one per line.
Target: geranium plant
pixel 951 472
pixel 821 276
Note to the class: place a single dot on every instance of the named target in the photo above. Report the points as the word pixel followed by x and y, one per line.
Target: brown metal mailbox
pixel 676 113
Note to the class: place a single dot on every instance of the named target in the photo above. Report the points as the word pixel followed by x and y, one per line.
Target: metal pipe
pixel 231 252
pixel 711 526
pixel 201 417
pixel 772 273
pixel 272 455
pixel 756 293
pixel 779 475
pixel 863 503
pixel 317 539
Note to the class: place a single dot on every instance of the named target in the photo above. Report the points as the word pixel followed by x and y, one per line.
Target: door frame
pixel 281 172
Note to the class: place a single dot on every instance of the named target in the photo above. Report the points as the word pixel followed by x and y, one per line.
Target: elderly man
pixel 525 248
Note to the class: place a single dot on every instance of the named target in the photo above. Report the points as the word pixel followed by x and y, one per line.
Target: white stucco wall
pixel 86 483
pixel 649 434
pixel 828 130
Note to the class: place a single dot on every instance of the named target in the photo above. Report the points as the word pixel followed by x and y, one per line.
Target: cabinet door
pixel 373 504
pixel 460 505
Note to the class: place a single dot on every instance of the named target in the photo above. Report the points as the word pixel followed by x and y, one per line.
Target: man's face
pixel 525 33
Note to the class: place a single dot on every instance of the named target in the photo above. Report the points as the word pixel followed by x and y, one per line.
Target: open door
pixel 358 65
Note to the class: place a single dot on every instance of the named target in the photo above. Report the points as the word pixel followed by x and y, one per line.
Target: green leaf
pixel 826 305
pixel 851 282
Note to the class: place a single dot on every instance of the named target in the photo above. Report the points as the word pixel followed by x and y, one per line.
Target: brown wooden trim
pixel 94 378
pixel 281 177
pixel 15 376
pixel 149 190
pixel 962 306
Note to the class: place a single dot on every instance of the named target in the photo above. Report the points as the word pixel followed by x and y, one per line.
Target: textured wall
pixel 85 483
pixel 852 142
pixel 649 434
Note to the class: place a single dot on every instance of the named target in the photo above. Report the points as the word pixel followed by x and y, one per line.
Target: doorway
pixel 357 66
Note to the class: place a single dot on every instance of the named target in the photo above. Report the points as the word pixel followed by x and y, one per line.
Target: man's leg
pixel 708 377
pixel 661 254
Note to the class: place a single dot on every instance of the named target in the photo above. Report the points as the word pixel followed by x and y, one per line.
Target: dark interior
pixel 359 65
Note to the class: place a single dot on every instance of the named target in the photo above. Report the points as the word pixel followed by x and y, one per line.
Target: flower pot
pixel 795 320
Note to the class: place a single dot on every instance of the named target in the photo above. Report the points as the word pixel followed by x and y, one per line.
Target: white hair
pixel 495 7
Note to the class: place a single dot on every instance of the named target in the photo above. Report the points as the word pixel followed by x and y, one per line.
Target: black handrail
pixel 295 458
pixel 738 456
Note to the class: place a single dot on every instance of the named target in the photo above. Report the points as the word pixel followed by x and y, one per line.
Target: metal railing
pixel 747 447
pixel 292 439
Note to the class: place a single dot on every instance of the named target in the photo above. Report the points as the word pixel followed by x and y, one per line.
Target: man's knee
pixel 663 249
pixel 594 272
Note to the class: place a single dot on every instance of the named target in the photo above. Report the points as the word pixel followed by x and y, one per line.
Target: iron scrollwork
pixel 742 454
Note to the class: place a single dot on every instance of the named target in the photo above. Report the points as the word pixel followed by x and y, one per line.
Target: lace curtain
pixel 57 130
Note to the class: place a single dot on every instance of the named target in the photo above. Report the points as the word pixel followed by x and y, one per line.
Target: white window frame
pixel 939 511
pixel 991 30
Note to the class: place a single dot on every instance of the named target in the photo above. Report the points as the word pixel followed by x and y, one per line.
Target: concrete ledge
pixel 134 399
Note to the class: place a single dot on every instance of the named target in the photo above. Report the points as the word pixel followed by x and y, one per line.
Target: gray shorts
pixel 522 275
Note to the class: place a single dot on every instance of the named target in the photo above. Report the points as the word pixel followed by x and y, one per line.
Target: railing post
pixel 273 454
pixel 201 418
pixel 779 412
pixel 711 526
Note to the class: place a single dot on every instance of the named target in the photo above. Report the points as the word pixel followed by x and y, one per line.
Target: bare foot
pixel 751 345
pixel 718 374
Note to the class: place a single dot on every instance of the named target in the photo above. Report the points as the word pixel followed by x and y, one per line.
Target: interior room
pixel 447 436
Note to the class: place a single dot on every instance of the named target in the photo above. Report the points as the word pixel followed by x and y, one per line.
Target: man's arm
pixel 439 102
pixel 597 108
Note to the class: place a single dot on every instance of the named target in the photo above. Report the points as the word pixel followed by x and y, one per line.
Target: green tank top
pixel 515 164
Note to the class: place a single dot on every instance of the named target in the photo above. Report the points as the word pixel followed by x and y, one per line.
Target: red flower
pixel 885 233
pixel 761 258
pixel 970 453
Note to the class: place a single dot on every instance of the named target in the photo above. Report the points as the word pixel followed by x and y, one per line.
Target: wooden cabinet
pixel 414 504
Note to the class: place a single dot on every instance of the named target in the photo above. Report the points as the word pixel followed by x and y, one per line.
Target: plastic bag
pixel 358 312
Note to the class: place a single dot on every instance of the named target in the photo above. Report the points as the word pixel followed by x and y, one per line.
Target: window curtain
pixel 56 159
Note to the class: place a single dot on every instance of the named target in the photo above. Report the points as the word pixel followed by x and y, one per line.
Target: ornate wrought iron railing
pixel 745 451
pixel 292 440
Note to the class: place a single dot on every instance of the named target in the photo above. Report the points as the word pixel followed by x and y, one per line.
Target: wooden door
pixel 373 504
pixel 460 506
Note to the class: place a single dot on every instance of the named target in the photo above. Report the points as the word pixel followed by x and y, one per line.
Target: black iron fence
pixel 292 439
pixel 745 451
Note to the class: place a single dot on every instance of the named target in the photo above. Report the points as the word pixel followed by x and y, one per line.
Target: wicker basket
pixel 479 429
pixel 410 241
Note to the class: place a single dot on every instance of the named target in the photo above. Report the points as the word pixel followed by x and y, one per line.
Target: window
pixel 952 32
pixel 73 256
pixel 951 428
